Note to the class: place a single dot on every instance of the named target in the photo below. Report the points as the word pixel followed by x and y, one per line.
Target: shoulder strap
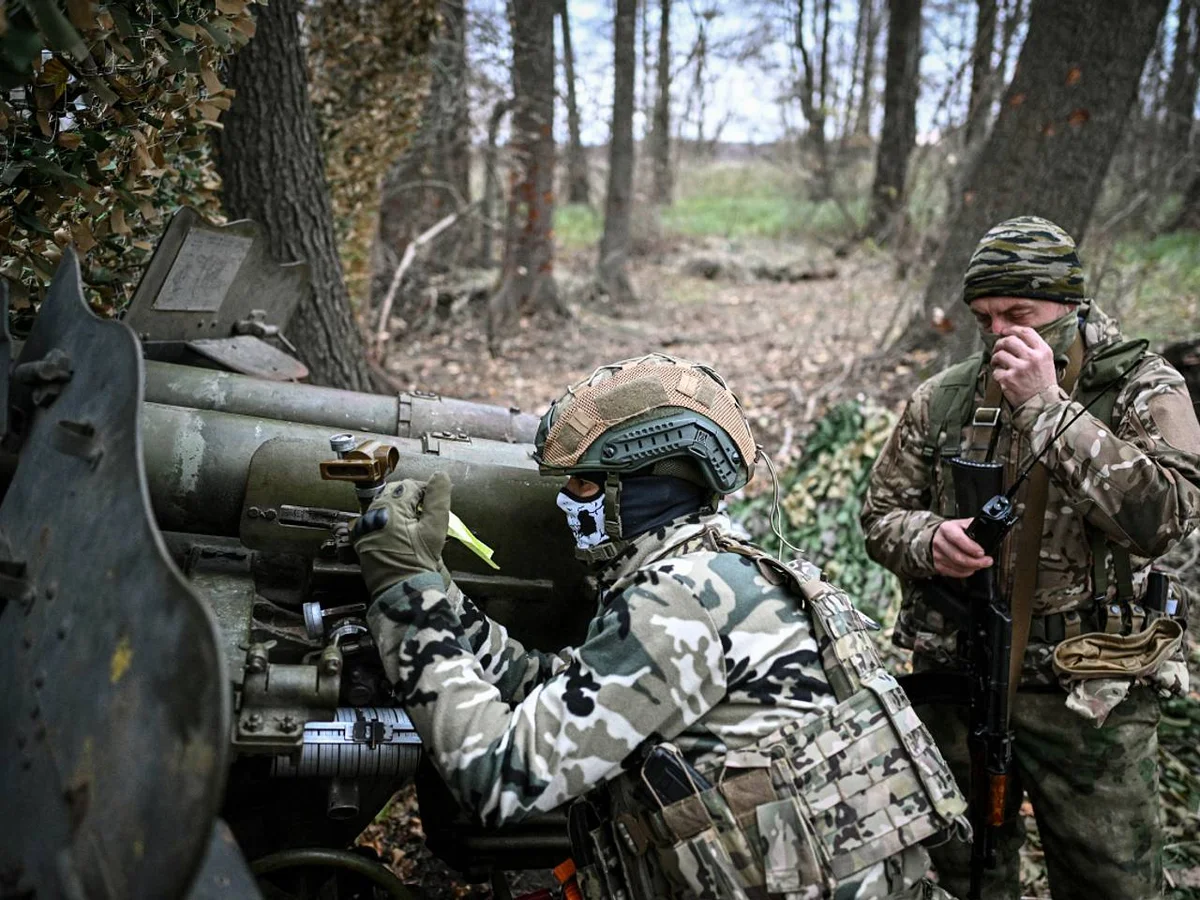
pixel 1096 384
pixel 848 655
pixel 950 405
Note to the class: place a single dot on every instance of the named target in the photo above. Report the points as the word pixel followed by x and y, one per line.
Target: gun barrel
pixel 408 414
pixel 201 466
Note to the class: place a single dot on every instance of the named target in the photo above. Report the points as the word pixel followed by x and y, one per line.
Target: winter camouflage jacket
pixel 687 645
pixel 1140 486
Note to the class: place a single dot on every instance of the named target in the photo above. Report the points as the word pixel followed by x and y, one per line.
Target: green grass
pixel 731 200
pixel 1154 285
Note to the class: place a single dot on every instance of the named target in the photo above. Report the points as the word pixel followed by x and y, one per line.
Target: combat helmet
pixel 655 414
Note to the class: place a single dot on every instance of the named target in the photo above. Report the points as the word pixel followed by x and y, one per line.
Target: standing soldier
pixel 725 730
pixel 1119 450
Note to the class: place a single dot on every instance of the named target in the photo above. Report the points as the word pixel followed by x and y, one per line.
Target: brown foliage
pixel 109 134
pixel 369 71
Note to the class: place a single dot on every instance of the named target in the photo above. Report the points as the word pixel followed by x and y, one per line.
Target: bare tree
pixel 870 20
pixel 1060 121
pixel 899 120
pixel 1180 97
pixel 432 177
pixel 814 89
pixel 272 171
pixel 660 132
pixel 491 180
pixel 577 168
pixel 980 108
pixel 614 245
pixel 528 278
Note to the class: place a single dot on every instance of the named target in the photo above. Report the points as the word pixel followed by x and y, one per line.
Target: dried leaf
pixel 117 221
pixel 82 236
pixel 212 83
pixel 232 7
pixel 69 140
pixel 82 13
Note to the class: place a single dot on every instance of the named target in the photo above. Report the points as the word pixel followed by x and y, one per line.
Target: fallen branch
pixel 410 253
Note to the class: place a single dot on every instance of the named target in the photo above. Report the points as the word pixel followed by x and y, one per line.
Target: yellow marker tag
pixel 460 532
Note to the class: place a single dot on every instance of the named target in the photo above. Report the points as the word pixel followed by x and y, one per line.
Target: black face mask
pixel 651 501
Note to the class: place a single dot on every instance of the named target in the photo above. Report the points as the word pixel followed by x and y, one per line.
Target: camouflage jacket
pixel 1140 487
pixel 687 645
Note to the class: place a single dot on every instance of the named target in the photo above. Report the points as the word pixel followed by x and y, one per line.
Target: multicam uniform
pixel 1136 482
pixel 689 644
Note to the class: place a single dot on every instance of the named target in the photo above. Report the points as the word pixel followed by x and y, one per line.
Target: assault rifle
pixel 984 650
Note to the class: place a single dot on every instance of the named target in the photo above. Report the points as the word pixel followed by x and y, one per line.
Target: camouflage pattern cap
pixel 1025 257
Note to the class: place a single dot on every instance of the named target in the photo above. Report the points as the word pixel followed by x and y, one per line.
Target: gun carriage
pixel 184 622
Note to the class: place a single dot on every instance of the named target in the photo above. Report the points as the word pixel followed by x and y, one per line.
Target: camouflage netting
pixel 369 69
pixel 105 118
pixel 822 496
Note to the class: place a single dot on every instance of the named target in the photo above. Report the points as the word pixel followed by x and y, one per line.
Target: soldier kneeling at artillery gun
pixel 726 728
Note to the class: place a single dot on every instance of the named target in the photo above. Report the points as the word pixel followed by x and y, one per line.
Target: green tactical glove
pixel 403 532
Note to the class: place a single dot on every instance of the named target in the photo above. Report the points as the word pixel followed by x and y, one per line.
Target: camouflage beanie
pixel 1025 257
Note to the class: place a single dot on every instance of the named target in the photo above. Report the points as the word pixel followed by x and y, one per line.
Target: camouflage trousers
pixel 1094 793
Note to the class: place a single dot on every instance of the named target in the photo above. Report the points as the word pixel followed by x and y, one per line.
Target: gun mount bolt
pixel 331 666
pixel 288 724
pixel 256 665
pixel 253 722
pixel 254 512
pixel 270 515
pixel 609 452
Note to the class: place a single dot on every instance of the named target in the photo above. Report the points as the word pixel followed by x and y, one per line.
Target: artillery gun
pixel 186 662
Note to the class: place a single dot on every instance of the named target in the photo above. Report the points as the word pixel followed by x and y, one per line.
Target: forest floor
pixel 791 350
pixel 787 348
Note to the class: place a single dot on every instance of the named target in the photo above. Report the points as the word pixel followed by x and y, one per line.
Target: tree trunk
pixel 1188 217
pixel 272 171
pixel 577 168
pixel 528 278
pixel 432 178
pixel 491 182
pixel 812 97
pixel 980 107
pixel 660 135
pixel 1181 90
pixel 1059 123
pixel 899 120
pixel 614 245
pixel 866 97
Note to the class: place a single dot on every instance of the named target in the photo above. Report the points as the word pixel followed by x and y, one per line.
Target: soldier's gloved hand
pixel 403 532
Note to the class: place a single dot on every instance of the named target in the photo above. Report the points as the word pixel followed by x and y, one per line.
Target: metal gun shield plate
pixel 115 716
pixel 209 289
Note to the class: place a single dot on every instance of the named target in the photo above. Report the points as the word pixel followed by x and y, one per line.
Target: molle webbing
pixel 950 407
pixel 869 697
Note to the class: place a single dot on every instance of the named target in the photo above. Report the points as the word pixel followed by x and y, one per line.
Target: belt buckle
pixel 986 417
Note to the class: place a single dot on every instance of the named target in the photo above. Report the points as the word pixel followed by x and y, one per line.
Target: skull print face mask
pixel 585 516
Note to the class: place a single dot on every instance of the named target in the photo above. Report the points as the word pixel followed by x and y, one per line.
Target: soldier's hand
pixel 1023 365
pixel 954 554
pixel 403 532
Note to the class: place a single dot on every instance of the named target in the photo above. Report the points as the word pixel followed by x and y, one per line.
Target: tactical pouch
pixel 699 860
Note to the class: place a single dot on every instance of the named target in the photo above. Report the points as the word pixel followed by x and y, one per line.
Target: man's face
pixel 999 315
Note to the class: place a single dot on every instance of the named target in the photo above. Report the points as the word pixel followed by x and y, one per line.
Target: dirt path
pixel 787 349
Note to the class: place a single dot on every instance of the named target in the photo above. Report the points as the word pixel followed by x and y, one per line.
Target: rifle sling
pixel 1029 543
